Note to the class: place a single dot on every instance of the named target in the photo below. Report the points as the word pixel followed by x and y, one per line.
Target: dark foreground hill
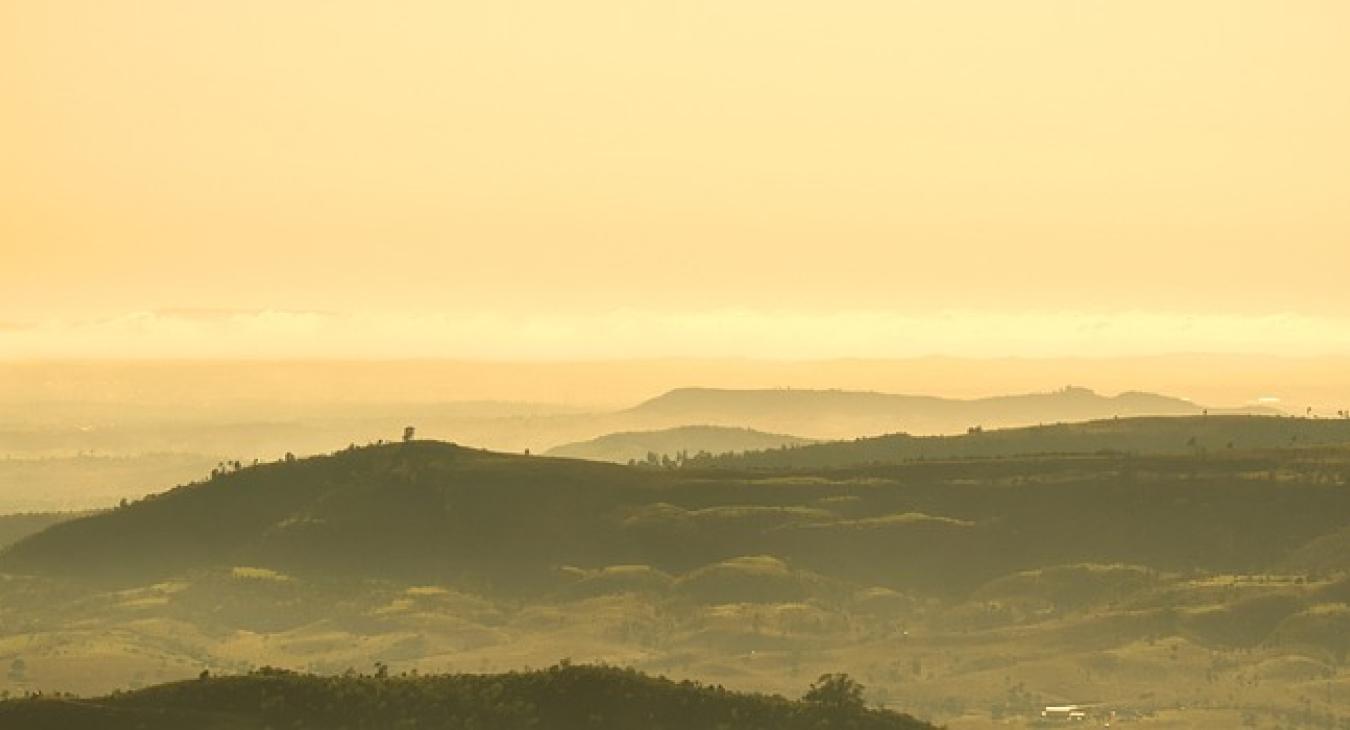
pixel 393 511
pixel 674 443
pixel 1192 435
pixel 560 698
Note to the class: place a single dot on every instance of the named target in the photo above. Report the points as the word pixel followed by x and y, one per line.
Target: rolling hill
pixel 561 698
pixel 951 586
pixel 1194 435
pixel 438 512
pixel 258 430
pixel 687 440
pixel 92 456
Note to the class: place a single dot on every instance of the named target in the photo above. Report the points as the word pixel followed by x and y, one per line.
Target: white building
pixel 1065 713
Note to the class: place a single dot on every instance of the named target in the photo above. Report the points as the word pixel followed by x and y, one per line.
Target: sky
pixel 645 179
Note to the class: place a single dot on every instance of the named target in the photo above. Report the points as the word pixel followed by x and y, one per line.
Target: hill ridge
pixel 563 697
pixel 640 445
pixel 837 413
pixel 1133 435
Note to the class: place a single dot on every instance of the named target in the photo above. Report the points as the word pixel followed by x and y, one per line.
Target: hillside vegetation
pixel 674 444
pixel 560 698
pixel 957 589
pixel 1208 435
pixel 438 512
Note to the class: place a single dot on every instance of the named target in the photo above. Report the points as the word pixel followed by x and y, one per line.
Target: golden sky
pixel 628 178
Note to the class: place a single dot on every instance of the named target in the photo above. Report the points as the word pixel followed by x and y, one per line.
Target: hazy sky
pixel 790 179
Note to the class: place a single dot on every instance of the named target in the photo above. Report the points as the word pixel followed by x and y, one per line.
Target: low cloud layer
pixel 625 333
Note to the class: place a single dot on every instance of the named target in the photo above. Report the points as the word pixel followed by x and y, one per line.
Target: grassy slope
pixel 387 509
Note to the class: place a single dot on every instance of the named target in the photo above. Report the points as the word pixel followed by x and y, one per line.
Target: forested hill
pixel 430 512
pixel 674 442
pixel 560 698
pixel 391 510
pixel 1196 435
pixel 847 414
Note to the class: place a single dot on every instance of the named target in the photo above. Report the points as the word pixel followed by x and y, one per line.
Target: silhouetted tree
pixel 408 432
pixel 836 691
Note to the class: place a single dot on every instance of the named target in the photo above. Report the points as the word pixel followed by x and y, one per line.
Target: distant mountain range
pixel 807 414
pixel 836 414
pixel 149 451
pixel 735 421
